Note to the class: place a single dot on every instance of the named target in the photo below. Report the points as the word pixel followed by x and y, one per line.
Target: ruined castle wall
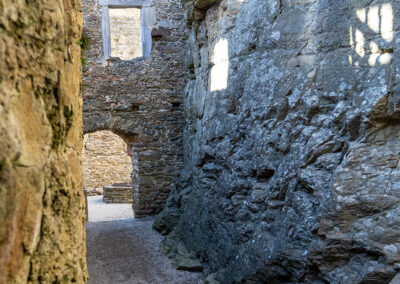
pixel 42 236
pixel 291 143
pixel 141 99
pixel 105 160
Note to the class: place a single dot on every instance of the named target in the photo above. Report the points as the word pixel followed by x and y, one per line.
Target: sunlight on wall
pixel 351 36
pixel 125 33
pixel 387 22
pixel 361 15
pixel 374 48
pixel 379 19
pixel 219 71
pixel 360 40
pixel 373 18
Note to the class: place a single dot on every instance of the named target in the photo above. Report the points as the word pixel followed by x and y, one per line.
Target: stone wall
pixel 105 160
pixel 291 143
pixel 42 236
pixel 141 99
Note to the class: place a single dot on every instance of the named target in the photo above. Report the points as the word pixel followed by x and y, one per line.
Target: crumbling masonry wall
pixel 292 142
pixel 105 160
pixel 42 236
pixel 141 99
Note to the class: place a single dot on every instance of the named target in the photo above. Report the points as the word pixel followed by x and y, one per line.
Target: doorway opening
pixel 107 176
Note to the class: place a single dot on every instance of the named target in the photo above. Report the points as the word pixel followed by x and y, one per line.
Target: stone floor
pixel 101 211
pixel 124 250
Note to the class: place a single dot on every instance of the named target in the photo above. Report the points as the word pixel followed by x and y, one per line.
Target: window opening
pixel 125 33
pixel 126 28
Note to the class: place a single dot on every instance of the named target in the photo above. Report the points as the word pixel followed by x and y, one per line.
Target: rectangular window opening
pixel 125 33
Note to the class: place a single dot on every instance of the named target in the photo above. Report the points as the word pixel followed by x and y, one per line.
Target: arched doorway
pixel 107 176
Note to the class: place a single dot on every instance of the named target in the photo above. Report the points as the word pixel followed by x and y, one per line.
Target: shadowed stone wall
pixel 42 236
pixel 141 99
pixel 292 142
pixel 105 160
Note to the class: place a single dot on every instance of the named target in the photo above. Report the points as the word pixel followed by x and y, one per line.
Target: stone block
pixel 118 193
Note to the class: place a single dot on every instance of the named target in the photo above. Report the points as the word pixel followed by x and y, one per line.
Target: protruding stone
pixel 211 279
pixel 189 264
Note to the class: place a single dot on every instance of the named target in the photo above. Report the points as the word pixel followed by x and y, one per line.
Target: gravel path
pixel 126 251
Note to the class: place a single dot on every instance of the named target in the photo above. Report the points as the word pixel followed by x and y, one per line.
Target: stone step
pixel 118 193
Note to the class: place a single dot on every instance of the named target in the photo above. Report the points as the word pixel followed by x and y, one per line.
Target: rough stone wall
pixel 42 236
pixel 105 160
pixel 141 100
pixel 292 147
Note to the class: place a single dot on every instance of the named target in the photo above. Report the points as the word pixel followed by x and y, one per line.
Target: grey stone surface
pixel 291 142
pixel 125 252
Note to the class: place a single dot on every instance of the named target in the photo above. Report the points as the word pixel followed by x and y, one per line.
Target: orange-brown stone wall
pixel 105 160
pixel 42 235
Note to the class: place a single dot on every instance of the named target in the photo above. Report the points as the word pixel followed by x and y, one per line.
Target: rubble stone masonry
pixel 292 148
pixel 141 99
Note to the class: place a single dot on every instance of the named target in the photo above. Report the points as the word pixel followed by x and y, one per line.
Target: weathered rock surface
pixel 41 199
pixel 291 143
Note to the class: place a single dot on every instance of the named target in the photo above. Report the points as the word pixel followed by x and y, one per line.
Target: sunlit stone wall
pixel 105 160
pixel 125 33
pixel 42 234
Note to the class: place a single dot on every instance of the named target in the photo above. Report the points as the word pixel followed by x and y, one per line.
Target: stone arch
pixel 122 127
pixel 155 159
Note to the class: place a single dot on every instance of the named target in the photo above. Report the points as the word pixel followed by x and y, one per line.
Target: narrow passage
pixel 125 250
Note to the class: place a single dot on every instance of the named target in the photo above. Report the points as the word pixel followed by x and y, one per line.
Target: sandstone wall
pixel 42 237
pixel 292 142
pixel 141 99
pixel 125 33
pixel 105 160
